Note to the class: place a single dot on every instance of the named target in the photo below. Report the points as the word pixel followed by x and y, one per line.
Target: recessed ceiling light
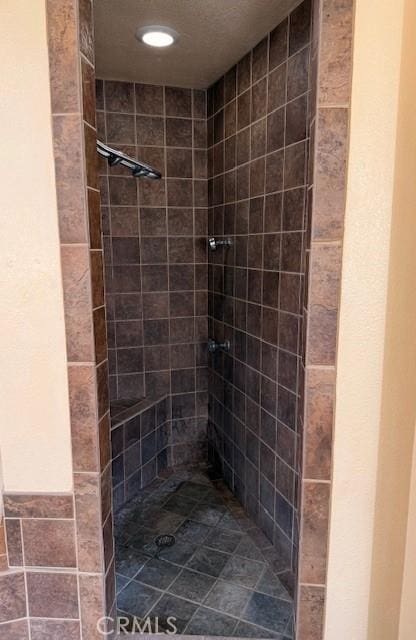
pixel 156 36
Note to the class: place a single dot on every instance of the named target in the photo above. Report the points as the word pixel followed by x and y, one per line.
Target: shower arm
pixel 138 169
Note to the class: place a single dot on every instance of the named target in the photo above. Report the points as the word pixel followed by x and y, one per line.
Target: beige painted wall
pixel 34 424
pixel 375 412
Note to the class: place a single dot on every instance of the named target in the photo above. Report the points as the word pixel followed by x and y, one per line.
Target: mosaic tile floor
pixel 215 579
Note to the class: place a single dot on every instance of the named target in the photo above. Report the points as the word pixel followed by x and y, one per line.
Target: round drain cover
pixel 166 540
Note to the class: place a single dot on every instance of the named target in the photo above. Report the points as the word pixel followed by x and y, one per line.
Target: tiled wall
pixel 331 65
pixel 140 448
pixel 258 140
pixel 154 238
pixel 155 252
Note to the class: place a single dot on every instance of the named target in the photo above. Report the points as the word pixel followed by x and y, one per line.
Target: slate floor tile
pixel 195 532
pixel 180 553
pixel 171 607
pixel 246 630
pixel 207 622
pixel 248 549
pixel 179 504
pixel 193 490
pixel 208 561
pixel 158 573
pixel 243 571
pixel 228 597
pixel 137 599
pixel 192 585
pixel 271 585
pixel 129 561
pixel 223 540
pixel 268 612
pixel 208 514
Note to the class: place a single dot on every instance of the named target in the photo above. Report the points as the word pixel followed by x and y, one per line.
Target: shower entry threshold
pixel 215 576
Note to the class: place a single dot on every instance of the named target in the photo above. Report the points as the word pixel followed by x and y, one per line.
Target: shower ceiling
pixel 213 34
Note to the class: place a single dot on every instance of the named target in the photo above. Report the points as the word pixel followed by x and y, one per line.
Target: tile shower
pixel 234 166
pixel 212 449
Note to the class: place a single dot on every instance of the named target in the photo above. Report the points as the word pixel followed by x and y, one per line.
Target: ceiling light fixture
pixel 156 36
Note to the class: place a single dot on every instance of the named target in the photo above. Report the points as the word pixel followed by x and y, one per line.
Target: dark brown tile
pixel 243 110
pixel 178 132
pixel 94 218
pixel 13 598
pixel 179 163
pixel 67 134
pixel 88 93
pixel 178 102
pixel 49 543
pixel 310 623
pixel 244 73
pixel 276 88
pixel 97 283
pixel 278 45
pixel 298 74
pixel 14 542
pixel 155 278
pixel 299 30
pixel 296 115
pixel 100 335
pixel 149 99
pixel 314 535
pixel 325 271
pixel 77 285
pixel 120 129
pixel 155 305
pixel 52 595
pixel 91 604
pixel 330 174
pixel 320 390
pixel 276 130
pixel 295 165
pixel 257 177
pixel 123 191
pixel 119 96
pixel 102 388
pixel 38 506
pixel 152 193
pixel 63 56
pixel 180 193
pixel 150 130
pixel 83 423
pixel 259 60
pixel 274 171
pixel 42 629
pixel 199 103
pixel 86 29
pixel 91 157
pixel 258 138
pixel 88 521
pixel 104 440
pixel 16 630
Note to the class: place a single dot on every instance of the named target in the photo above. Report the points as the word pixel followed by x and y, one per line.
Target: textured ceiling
pixel 213 35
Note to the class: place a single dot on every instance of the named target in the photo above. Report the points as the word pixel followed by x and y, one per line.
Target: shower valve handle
pixel 214 346
pixel 214 243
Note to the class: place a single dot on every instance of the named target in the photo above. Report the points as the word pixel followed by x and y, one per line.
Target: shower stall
pixel 204 293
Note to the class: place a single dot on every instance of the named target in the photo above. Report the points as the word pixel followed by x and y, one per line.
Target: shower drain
pixel 166 540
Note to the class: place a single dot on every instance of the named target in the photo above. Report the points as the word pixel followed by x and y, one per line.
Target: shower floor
pixel 215 579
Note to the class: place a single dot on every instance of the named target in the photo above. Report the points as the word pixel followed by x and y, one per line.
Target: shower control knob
pixel 214 346
pixel 214 243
